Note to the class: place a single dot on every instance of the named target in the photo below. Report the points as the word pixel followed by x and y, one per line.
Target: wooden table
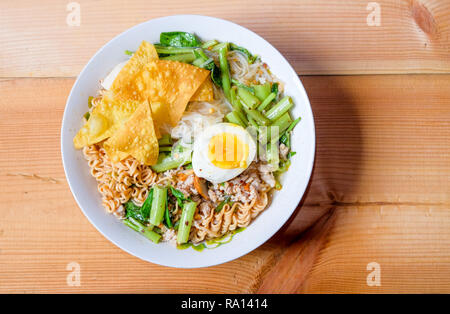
pixel 379 198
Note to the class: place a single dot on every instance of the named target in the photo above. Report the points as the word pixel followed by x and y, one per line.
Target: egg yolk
pixel 227 151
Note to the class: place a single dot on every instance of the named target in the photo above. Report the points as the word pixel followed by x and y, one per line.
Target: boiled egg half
pixel 222 151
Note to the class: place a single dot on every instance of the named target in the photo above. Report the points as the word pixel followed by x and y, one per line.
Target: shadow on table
pixel 335 174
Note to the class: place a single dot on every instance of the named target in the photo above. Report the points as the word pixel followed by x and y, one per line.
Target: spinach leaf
pixel 179 39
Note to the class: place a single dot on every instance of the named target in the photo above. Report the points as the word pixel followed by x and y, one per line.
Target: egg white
pixel 201 164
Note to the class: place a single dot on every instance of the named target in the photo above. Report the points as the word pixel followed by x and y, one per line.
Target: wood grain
pixel 316 36
pixel 382 168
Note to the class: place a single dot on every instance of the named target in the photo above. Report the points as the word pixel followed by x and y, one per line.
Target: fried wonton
pixel 105 119
pixel 170 83
pixel 136 137
pixel 205 92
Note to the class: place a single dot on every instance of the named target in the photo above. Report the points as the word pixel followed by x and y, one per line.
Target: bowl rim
pixel 308 170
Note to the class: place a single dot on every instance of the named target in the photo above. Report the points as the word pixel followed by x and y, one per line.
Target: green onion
pixel 267 101
pixel 280 108
pixel 290 154
pixel 87 115
pixel 225 71
pixel 186 222
pixel 158 205
pixel 128 52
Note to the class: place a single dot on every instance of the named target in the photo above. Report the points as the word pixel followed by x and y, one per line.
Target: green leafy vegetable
pixel 250 58
pixel 133 211
pixel 146 207
pixel 179 39
pixel 129 53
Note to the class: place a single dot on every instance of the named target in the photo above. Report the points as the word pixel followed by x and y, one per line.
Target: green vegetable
pixel 267 101
pixel 146 207
pixel 250 57
pixel 209 44
pixel 293 124
pixel 178 195
pixel 222 204
pixel 262 91
pixel 233 117
pixel 165 140
pixel 167 219
pixel 133 211
pixel 290 154
pixel 248 99
pixel 158 205
pixel 179 39
pixel 242 116
pixel 239 84
pixel 286 139
pixel 280 108
pixel 282 123
pixel 147 232
pixel 175 160
pixel 173 50
pixel 185 57
pixel 188 166
pixel 219 46
pixel 128 52
pixel 87 115
pixel 275 89
pixel 185 222
pixel 225 71
pixel 256 115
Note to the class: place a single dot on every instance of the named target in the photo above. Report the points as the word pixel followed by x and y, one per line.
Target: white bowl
pixel 84 186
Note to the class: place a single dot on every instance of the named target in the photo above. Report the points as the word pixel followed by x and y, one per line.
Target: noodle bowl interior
pixel 216 166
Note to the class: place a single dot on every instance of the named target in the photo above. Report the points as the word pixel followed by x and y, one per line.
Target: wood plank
pixel 382 145
pixel 316 36
pixel 411 245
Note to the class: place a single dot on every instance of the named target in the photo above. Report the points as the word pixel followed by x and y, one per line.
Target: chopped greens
pixel 179 39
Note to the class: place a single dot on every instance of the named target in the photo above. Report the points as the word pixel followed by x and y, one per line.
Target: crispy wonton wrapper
pixel 105 119
pixel 136 137
pixel 170 83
